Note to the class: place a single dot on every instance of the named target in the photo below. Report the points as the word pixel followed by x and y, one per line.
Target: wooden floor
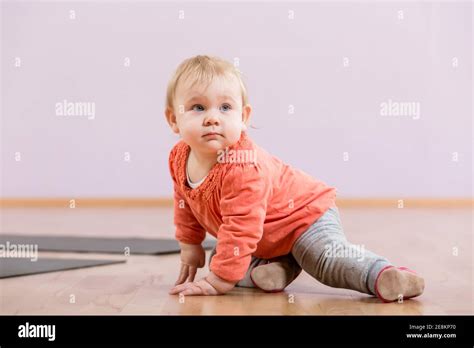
pixel 422 239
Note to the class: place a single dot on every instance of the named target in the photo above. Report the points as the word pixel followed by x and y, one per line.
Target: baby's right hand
pixel 193 257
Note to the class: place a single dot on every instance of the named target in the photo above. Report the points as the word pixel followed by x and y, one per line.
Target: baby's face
pixel 209 119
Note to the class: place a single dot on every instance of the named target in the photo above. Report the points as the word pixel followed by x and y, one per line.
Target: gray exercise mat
pixel 100 245
pixel 15 267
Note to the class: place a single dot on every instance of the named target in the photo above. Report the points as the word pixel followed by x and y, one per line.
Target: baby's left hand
pixel 200 287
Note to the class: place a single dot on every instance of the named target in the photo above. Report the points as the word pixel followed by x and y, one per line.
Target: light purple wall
pixel 420 55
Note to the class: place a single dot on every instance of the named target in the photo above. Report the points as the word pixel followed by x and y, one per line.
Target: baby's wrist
pixel 221 285
pixel 188 246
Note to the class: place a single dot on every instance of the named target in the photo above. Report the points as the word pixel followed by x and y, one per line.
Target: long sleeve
pixel 188 229
pixel 243 207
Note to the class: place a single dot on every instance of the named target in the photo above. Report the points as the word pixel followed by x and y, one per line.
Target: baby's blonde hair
pixel 202 69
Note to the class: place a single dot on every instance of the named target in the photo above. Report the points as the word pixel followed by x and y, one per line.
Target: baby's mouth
pixel 212 135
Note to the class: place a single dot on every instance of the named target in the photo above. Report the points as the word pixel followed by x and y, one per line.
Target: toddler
pixel 270 220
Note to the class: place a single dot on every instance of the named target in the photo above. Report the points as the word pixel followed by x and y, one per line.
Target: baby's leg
pixel 324 252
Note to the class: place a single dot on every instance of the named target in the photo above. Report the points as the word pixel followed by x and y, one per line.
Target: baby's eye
pixel 198 106
pixel 226 107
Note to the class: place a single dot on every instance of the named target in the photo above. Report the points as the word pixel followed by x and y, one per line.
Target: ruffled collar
pixel 206 188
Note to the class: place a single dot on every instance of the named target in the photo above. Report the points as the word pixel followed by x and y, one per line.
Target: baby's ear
pixel 171 118
pixel 246 114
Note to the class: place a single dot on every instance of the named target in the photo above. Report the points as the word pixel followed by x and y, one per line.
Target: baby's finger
pixel 178 288
pixel 192 290
pixel 183 274
pixel 192 273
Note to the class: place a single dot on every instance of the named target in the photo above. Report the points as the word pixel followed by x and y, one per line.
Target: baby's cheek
pixel 190 133
pixel 233 133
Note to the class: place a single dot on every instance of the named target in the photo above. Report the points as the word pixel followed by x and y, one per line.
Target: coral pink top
pixel 256 208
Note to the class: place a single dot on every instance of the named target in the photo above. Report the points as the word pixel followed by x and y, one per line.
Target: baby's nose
pixel 211 119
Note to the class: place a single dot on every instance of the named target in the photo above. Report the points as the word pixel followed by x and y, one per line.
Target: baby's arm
pixel 189 234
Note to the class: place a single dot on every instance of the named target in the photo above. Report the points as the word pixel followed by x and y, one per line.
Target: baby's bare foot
pixel 395 283
pixel 275 276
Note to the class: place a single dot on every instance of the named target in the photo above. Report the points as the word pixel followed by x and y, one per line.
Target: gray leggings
pixel 324 252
